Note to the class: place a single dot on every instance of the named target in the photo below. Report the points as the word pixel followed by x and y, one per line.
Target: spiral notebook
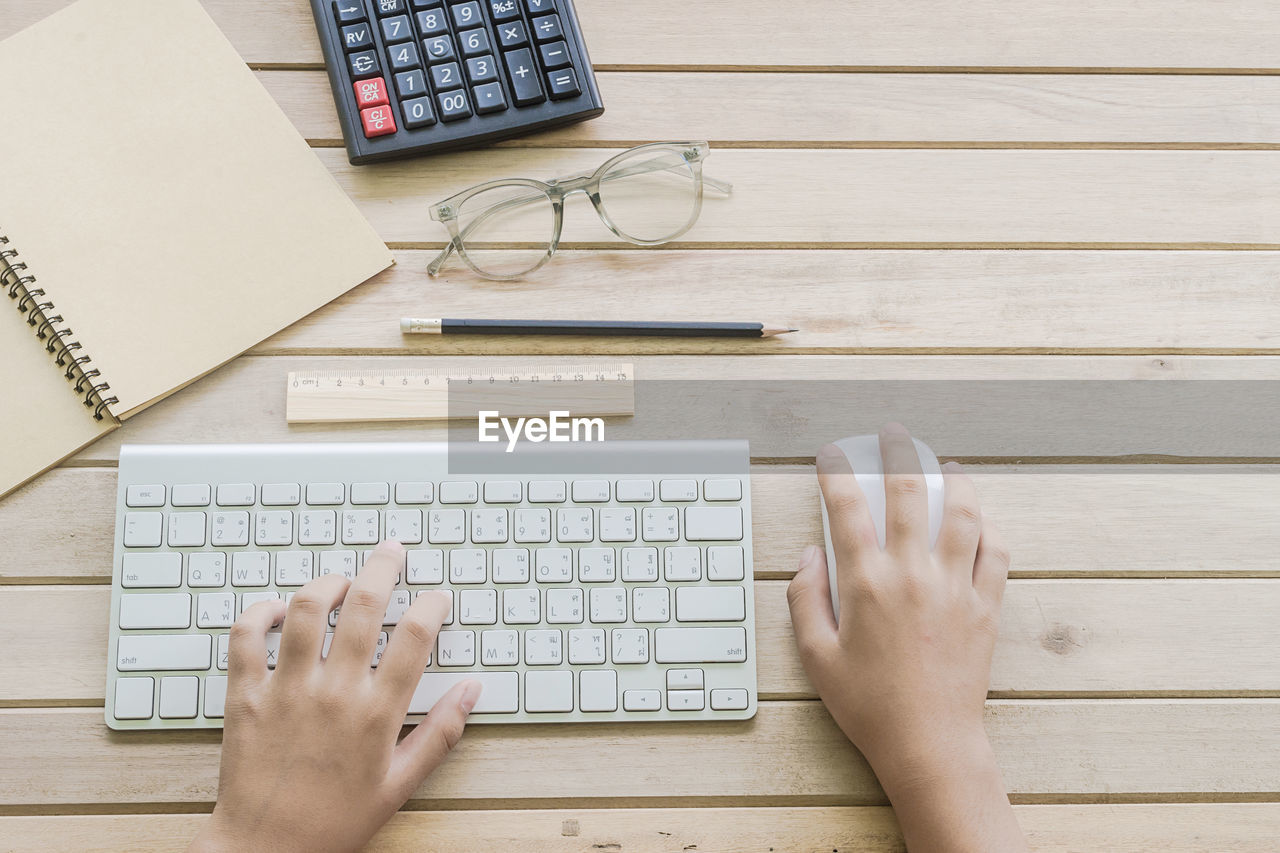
pixel 159 215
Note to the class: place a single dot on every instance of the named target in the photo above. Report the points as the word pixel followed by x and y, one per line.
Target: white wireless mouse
pixel 863 453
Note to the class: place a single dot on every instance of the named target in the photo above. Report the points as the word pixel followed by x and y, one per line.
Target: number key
pixel 453 105
pixel 474 42
pixel 467 15
pixel 432 22
pixel 403 56
pixel 410 84
pixel 396 29
pixel 439 49
pixel 446 76
pixel 482 69
pixel 417 113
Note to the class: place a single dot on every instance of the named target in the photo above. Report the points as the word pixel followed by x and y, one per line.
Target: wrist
pixel 913 763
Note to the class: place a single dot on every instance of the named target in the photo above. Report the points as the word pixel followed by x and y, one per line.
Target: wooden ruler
pixel 424 394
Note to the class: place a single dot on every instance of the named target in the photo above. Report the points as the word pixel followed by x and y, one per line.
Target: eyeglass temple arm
pixel 519 201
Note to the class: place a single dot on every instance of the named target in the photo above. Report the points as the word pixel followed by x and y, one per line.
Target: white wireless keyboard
pixel 625 594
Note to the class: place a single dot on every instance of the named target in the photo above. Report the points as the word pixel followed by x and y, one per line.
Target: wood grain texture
pixel 877 109
pixel 1058 638
pixel 842 301
pixel 791 753
pixel 906 198
pixel 1173 828
pixel 1096 34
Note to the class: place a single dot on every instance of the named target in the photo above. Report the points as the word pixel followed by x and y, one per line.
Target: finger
pixel 247 645
pixel 360 621
pixel 809 597
pixel 961 521
pixel 848 515
pixel 307 622
pixel 430 742
pixel 991 568
pixel 415 636
pixel 906 503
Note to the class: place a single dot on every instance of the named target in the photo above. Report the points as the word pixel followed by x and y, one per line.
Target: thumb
pixel 430 742
pixel 809 596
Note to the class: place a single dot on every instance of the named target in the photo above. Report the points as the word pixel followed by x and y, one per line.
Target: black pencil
pixel 673 329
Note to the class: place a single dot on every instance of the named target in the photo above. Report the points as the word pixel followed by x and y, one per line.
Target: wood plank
pixel 791 753
pixel 862 301
pixel 1135 828
pixel 873 198
pixel 1058 638
pixel 877 109
pixel 1182 34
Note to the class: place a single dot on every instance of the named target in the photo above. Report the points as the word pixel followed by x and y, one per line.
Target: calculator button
pixel 417 113
pixel 540 7
pixel 489 98
pixel 364 64
pixel 403 56
pixel 512 34
pixel 524 77
pixel 453 105
pixel 548 28
pixel 432 22
pixel 467 15
pixel 563 84
pixel 357 37
pixel 554 55
pixel 348 11
pixel 482 69
pixel 371 93
pixel 378 121
pixel 391 7
pixel 396 29
pixel 446 76
pixel 439 49
pixel 410 84
pixel 424 4
pixel 504 10
pixel 474 42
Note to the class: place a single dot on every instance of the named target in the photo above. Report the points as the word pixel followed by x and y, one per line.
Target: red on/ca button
pixel 371 93
pixel 378 121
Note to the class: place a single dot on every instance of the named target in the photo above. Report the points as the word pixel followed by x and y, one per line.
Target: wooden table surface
pixel 886 157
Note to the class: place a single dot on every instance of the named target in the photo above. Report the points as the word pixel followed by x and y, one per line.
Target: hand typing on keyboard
pixel 905 672
pixel 309 756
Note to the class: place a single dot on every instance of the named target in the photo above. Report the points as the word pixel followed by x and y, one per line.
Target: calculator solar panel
pixel 412 77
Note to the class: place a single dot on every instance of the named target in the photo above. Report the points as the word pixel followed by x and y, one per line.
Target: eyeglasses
pixel 508 228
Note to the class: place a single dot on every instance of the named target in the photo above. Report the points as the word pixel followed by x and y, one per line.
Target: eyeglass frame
pixel 557 190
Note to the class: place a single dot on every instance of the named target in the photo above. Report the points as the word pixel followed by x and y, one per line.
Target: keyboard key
pixel 642 700
pixel 397 606
pixel 458 492
pixel 191 494
pixel 229 529
pixel 722 490
pixel 563 84
pixel 660 524
pixel 456 648
pixel 424 565
pixel 370 494
pixel 547 28
pixel 474 42
pixel 159 610
pixel 489 98
pixel 488 526
pixel 651 604
pixel 273 527
pixel 630 645
pixel 553 565
pixel 163 652
pixel 586 646
pixel 710 604
pixel 142 529
pixel 446 526
pixel 348 11
pixel 547 492
pixel 360 527
pixel 293 568
pixel 540 7
pixel 250 568
pixel 511 34
pixel 617 524
pixel 533 525
pixel 499 694
pixel 432 23
pixel 447 76
pixel 640 565
pixel 186 529
pixel 134 698
pixel 713 523
pixel 281 494
pixel 151 570
pixel 404 56
pixel 249 599
pixel 554 55
pixel 542 647
pixel 510 565
pixel 397 29
pixel 144 496
pixel 178 697
pixel 700 645
pixel 467 15
pixel 215 609
pixel 591 491
pixel 326 494
pixel 404 525
pixel 338 563
pixel 520 607
pixel 678 490
pixel 682 563
pixel 224 646
pixel 206 568
pixel 575 525
pixel 467 565
pixel 504 10
pixel 453 105
pixel 414 493
pixel 357 37
pixel 439 49
pixel 608 606
pixel 317 527
pixel 564 606
pixel 215 696
pixel 596 565
pixel 685 700
pixel 482 69
pixel 684 679
pixel 364 64
pixel 598 690
pixel 378 121
pixel 478 607
pixel 500 648
pixel 548 692
pixel 724 563
pixel 634 491
pixel 729 699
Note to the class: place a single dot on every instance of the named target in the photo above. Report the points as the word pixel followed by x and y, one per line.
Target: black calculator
pixel 412 77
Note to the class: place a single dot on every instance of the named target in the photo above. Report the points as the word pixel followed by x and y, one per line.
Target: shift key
pixel 700 645
pixel 163 652
pixel 523 73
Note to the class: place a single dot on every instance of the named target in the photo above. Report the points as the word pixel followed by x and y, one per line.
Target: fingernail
pixel 808 557
pixel 894 428
pixel 470 696
pixel 829 450
pixel 952 467
pixel 829 456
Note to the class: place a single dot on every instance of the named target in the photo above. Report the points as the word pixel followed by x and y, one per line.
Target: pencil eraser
pixel 406 324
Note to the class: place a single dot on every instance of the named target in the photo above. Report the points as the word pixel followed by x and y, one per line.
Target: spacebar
pixel 700 645
pixel 499 696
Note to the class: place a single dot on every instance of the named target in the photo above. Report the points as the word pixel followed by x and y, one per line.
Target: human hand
pixel 905 673
pixel 309 754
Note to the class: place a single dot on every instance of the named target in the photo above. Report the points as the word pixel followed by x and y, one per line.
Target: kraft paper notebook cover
pixel 161 216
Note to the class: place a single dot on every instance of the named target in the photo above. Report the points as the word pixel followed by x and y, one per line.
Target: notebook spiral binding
pixel 66 351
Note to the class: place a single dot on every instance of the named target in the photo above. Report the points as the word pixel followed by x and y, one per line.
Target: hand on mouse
pixel 905 672
pixel 309 754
